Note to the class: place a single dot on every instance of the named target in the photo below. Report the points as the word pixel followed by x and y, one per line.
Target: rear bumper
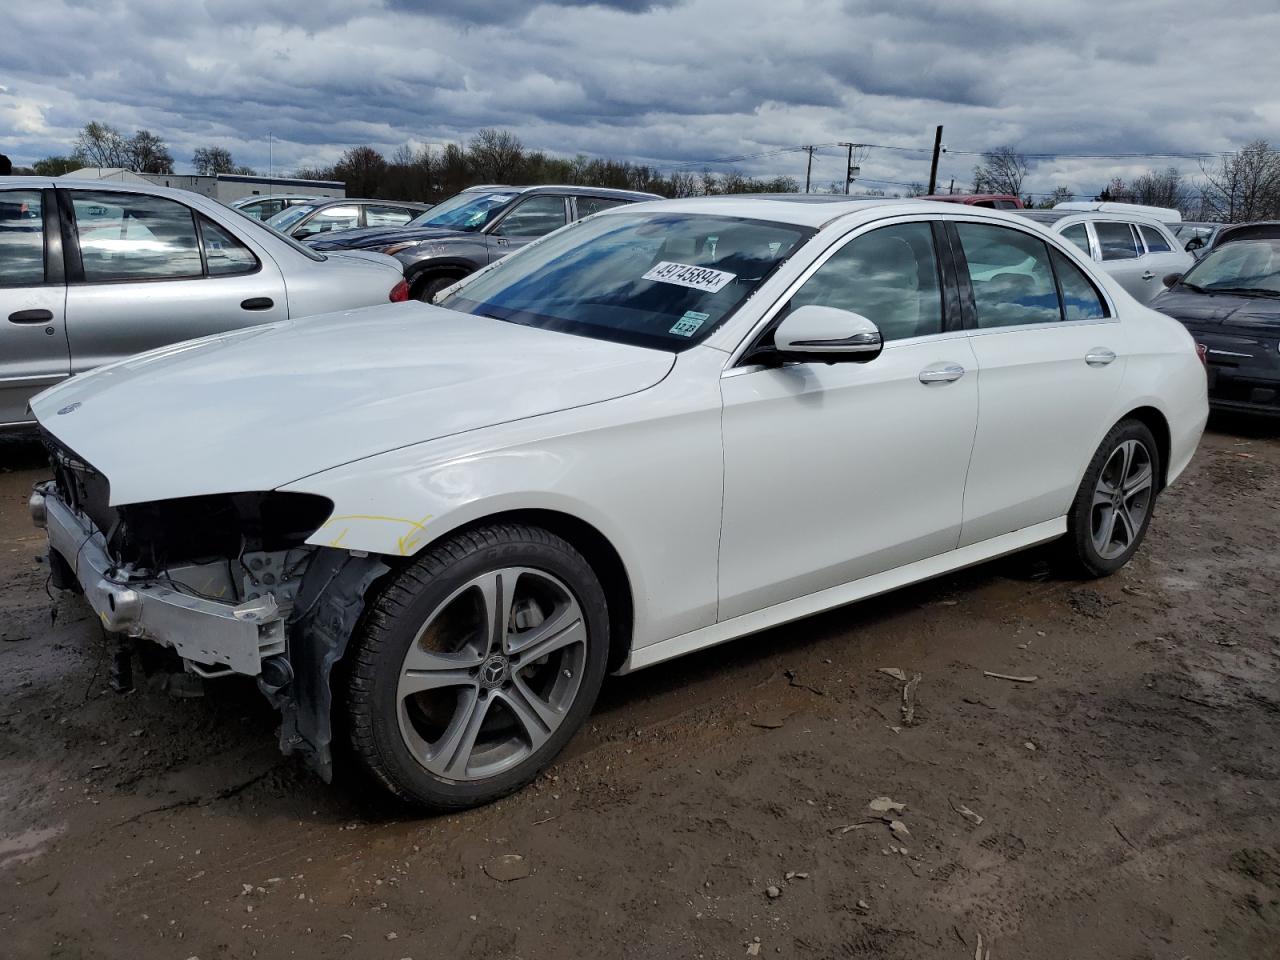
pixel 214 637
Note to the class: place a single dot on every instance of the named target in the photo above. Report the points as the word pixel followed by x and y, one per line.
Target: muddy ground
pixel 1129 798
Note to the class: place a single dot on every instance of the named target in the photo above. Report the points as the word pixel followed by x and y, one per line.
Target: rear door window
pixel 1010 274
pixel 1115 240
pixel 1080 298
pixel 590 205
pixel 330 219
pixel 225 255
pixel 21 238
pixel 379 216
pixel 1078 234
pixel 1154 240
pixel 132 236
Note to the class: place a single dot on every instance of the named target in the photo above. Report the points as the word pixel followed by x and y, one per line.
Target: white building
pixel 223 187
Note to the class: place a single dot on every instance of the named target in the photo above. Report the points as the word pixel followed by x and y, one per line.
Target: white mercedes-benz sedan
pixel 434 529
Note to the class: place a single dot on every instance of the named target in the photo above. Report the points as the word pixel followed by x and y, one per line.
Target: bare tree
pixel 101 145
pixel 1159 188
pixel 1245 185
pixel 1002 171
pixel 496 156
pixel 362 168
pixel 210 161
pixel 147 153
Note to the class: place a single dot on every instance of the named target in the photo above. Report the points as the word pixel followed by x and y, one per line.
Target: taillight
pixel 1203 353
pixel 400 293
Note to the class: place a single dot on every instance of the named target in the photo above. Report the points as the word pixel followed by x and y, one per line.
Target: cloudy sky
pixel 670 82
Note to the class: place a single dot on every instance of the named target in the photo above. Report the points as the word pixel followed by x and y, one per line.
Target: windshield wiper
pixel 1246 291
pixel 1192 286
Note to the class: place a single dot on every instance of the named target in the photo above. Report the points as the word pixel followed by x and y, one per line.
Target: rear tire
pixel 476 665
pixel 1112 508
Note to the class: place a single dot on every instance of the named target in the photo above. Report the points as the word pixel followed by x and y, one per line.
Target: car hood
pixel 378 237
pixel 261 407
pixel 1209 310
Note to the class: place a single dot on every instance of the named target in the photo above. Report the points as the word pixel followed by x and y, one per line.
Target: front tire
pixel 427 289
pixel 476 665
pixel 1113 506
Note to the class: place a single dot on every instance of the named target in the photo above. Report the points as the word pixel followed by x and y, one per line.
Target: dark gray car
pixel 476 227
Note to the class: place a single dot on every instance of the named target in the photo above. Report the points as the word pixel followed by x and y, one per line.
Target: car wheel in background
pixel 474 667
pixel 425 290
pixel 1112 509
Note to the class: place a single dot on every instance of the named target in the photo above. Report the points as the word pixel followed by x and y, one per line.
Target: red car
pixel 998 201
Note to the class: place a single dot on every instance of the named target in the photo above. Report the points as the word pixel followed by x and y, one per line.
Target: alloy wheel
pixel 1121 499
pixel 491 674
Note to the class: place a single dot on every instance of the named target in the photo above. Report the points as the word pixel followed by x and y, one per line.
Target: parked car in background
pixel 993 201
pixel 264 208
pixel 1230 301
pixel 655 431
pixel 307 220
pixel 1196 237
pixel 91 272
pixel 1257 230
pixel 476 227
pixel 1136 250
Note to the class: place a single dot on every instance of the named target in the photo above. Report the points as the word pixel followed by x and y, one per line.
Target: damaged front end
pixel 227 581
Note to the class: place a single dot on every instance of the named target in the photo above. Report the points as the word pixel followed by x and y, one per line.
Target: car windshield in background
pixel 468 212
pixel 289 216
pixel 1246 267
pixel 259 225
pixel 662 280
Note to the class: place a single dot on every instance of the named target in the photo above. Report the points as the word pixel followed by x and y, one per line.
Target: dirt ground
pixel 1128 795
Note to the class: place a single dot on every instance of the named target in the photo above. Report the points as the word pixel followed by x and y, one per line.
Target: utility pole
pixel 933 167
pixel 271 187
pixel 808 171
pixel 850 171
pixel 951 189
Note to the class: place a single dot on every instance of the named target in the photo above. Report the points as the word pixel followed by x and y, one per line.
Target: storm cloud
pixel 670 82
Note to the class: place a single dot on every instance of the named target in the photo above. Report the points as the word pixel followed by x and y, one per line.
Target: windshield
pixel 466 211
pixel 662 280
pixel 1246 266
pixel 289 216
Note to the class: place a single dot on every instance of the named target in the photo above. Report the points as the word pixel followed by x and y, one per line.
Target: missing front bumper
pixel 214 636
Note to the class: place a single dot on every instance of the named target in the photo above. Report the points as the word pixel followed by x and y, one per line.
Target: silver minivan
pixel 92 272
pixel 1138 251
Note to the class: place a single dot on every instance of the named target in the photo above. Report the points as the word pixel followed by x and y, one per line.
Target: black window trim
pixel 70 242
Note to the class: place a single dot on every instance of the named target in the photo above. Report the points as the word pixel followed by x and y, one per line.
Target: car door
pixel 834 472
pixel 1051 356
pixel 146 271
pixel 1121 254
pixel 1163 257
pixel 527 221
pixel 33 336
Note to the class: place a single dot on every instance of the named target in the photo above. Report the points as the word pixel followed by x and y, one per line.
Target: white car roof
pixel 810 210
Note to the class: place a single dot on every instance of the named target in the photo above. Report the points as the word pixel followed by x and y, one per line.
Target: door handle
pixel 257 303
pixel 31 316
pixel 1148 275
pixel 941 373
pixel 1099 357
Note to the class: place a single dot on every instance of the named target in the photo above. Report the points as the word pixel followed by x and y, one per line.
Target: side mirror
pixel 1171 279
pixel 828 334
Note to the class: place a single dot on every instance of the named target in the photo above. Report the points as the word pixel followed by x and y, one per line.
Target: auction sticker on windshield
pixel 685 275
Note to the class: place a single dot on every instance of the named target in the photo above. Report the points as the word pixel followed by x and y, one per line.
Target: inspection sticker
pixel 688 325
pixel 684 275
